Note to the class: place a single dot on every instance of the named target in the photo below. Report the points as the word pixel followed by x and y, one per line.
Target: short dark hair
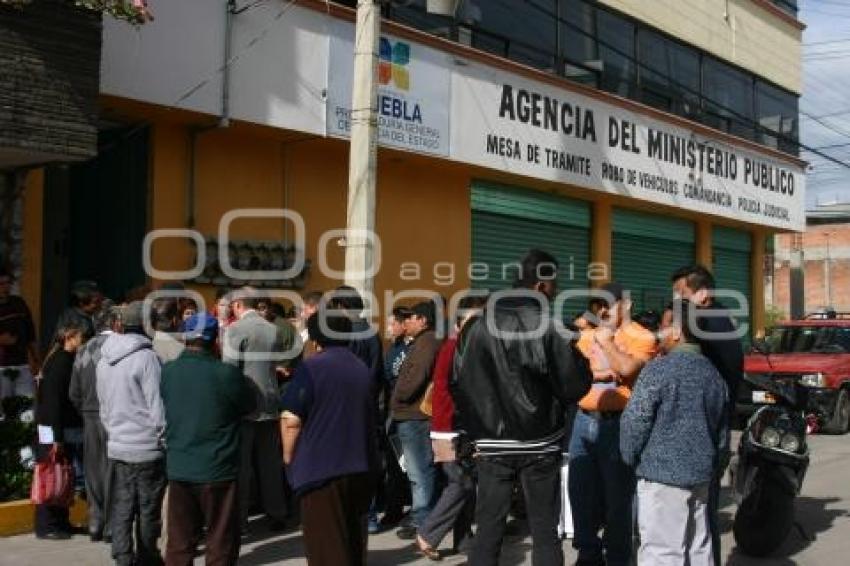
pixel 6 272
pixel 470 301
pixel 165 313
pixel 221 292
pixel 84 293
pixel 649 319
pixel 334 321
pixel 313 297
pixel 685 314
pixel 346 297
pixel 697 277
pixel 401 313
pixel 426 310
pixel 535 267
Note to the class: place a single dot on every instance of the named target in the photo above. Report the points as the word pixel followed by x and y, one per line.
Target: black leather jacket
pixel 511 394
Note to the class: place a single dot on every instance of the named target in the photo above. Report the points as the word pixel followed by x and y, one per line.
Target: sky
pixel 825 104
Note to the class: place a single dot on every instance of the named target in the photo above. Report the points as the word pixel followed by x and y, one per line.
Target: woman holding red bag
pixel 59 424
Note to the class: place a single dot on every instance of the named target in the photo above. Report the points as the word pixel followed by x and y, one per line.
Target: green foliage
pixel 135 12
pixel 15 476
pixel 772 316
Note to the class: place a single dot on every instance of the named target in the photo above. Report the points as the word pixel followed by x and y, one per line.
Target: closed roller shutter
pixel 732 265
pixel 508 221
pixel 647 249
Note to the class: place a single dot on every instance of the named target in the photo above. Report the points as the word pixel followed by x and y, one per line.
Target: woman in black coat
pixel 59 423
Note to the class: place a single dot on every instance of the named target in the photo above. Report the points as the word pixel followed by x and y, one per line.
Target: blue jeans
pixel 602 489
pixel 419 461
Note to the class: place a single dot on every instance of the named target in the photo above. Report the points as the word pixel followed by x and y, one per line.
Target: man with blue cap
pixel 205 401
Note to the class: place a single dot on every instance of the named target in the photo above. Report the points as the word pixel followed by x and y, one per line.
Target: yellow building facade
pixel 199 169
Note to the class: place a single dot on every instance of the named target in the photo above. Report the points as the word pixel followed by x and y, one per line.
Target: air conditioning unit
pixel 443 7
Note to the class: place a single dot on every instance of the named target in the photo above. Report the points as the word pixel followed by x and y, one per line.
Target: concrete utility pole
pixel 363 151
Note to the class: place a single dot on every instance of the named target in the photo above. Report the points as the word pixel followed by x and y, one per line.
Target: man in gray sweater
pixel 673 432
pixel 131 409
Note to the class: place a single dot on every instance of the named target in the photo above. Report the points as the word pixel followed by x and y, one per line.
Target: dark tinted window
pixel 812 339
pixel 591 45
pixel 789 6
pixel 728 98
pixel 577 33
pixel 669 74
pixel 777 112
pixel 414 14
pixel 617 52
pixel 520 31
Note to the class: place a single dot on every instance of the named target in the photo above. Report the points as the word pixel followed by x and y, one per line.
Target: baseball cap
pixel 201 326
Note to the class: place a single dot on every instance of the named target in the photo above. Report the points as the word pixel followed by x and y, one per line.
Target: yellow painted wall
pixel 750 36
pixel 30 283
pixel 423 211
pixel 423 208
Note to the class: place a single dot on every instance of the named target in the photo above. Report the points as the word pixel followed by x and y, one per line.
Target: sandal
pixel 427 550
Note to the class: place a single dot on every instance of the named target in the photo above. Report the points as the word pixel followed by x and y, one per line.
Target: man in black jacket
pixel 720 344
pixel 516 377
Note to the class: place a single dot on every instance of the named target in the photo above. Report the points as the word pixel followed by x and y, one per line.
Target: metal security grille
pixel 647 249
pixel 732 265
pixel 508 221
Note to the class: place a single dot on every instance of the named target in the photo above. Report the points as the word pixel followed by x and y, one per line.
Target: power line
pixel 205 81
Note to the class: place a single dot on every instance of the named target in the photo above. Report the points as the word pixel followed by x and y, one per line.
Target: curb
pixel 18 517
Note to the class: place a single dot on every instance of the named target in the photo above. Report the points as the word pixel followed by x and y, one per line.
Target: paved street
pixel 823 512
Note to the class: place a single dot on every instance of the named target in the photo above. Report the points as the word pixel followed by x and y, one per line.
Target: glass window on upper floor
pixel 669 74
pixel 517 30
pixel 590 44
pixel 789 6
pixel 413 13
pixel 778 113
pixel 727 98
pixel 577 39
pixel 617 53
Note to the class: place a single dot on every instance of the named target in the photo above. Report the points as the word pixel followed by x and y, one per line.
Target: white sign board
pixel 413 92
pixel 506 122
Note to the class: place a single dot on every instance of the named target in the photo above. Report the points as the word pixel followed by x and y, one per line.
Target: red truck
pixel 814 351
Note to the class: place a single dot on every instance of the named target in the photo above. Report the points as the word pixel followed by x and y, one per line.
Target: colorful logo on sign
pixel 394 60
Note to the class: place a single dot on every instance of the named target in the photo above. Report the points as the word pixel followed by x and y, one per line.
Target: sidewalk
pixel 822 510
pixel 258 549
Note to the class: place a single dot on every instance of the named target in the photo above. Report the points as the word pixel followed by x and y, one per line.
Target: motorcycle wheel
pixel 839 422
pixel 764 519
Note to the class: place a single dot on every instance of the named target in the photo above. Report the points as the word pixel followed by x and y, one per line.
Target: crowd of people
pixel 453 425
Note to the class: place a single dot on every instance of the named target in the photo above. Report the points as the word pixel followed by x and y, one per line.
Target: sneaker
pixel 406 533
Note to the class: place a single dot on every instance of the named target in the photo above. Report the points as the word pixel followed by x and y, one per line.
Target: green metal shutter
pixel 732 263
pixel 647 249
pixel 508 221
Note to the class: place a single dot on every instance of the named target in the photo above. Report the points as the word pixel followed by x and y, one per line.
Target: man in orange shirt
pixel 601 485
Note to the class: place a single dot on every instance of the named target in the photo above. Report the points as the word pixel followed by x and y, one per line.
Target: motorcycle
pixel 773 457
